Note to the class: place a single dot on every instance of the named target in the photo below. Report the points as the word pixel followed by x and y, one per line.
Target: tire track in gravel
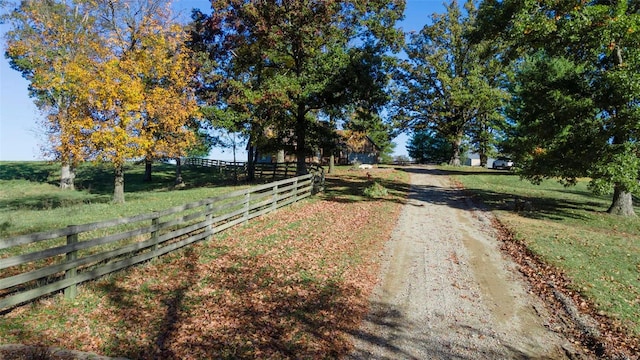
pixel 446 291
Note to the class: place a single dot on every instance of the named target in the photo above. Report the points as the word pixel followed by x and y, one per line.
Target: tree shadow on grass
pixel 40 172
pixel 247 311
pixel 87 175
pixel 132 317
pixel 457 171
pixel 98 178
pixel 535 207
pixel 94 183
pixel 351 188
pixel 50 201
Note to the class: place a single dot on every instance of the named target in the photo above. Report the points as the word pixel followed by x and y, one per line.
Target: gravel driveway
pixel 447 292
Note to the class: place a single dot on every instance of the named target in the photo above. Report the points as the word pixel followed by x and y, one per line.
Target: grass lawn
pixel 290 284
pixel 570 229
pixel 31 200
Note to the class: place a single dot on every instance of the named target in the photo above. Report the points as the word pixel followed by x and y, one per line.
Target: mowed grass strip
pixel 291 284
pixel 570 229
pixel 31 200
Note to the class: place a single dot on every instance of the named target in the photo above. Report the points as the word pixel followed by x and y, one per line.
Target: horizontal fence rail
pixel 275 170
pixel 38 264
pixel 213 163
pixel 281 170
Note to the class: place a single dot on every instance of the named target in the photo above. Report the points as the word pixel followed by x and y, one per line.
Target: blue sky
pixel 21 137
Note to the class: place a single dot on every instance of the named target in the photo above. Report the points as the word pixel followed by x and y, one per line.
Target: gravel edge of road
pixel 594 335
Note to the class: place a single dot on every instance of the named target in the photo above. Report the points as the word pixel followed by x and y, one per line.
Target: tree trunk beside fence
pixel 118 189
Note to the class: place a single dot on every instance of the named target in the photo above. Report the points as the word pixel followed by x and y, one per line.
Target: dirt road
pixel 446 290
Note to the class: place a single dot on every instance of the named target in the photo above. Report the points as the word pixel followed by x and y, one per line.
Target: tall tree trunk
pixel 118 189
pixel 455 157
pixel 332 162
pixel 67 176
pixel 301 142
pixel 251 168
pixel 179 181
pixel 483 159
pixel 148 164
pixel 622 203
pixel 67 171
pixel 484 143
pixel 234 146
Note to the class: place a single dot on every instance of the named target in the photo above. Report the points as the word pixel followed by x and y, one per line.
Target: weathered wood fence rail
pixel 262 170
pixel 42 263
pixel 213 163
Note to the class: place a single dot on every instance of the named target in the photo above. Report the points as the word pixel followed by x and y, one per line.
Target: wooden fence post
pixel 274 203
pixel 208 218
pixel 295 190
pixel 247 199
pixel 314 185
pixel 71 291
pixel 154 234
pixel 318 182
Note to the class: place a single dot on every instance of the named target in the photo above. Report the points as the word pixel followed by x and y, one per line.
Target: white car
pixel 502 163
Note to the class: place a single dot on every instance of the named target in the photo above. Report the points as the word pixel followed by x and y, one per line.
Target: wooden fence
pixel 42 263
pixel 221 164
pixel 273 171
pixel 282 170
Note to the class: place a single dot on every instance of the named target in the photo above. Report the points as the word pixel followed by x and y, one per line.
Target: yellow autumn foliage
pixel 114 92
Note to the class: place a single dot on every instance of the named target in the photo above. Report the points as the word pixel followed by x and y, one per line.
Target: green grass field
pixel 31 200
pixel 569 228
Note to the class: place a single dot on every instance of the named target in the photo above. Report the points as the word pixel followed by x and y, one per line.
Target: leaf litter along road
pixel 446 290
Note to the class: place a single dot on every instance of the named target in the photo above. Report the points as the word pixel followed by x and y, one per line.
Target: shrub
pixel 375 191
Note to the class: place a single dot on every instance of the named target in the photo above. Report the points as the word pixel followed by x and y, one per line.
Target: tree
pixel 114 76
pixel 51 44
pixel 140 97
pixel 168 125
pixel 223 110
pixel 444 85
pixel 427 147
pixel 286 61
pixel 487 130
pixel 576 91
